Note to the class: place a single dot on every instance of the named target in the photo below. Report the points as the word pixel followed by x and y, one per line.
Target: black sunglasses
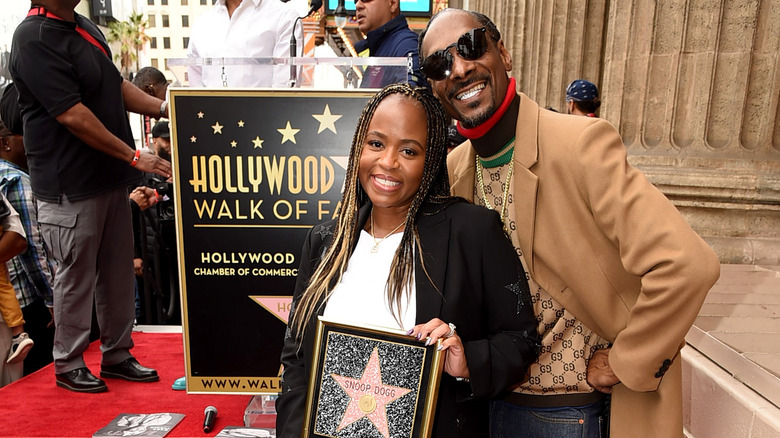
pixel 470 46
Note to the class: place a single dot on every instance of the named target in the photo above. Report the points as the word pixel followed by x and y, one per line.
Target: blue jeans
pixel 508 420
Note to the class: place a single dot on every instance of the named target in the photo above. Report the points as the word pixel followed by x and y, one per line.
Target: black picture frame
pixel 348 363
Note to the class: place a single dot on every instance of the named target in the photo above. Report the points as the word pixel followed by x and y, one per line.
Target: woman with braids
pixel 404 254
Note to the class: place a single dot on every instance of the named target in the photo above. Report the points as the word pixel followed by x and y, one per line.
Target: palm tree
pixel 119 31
pixel 131 37
pixel 138 29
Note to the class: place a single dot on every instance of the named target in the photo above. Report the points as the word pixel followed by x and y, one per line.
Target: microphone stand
pixel 315 5
pixel 293 54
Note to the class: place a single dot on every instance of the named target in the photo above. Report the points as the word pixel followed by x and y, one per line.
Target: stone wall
pixel 692 86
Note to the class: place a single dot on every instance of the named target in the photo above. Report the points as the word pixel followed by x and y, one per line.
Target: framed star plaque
pixel 371 383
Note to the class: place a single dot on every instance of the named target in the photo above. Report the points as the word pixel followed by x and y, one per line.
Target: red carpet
pixel 35 407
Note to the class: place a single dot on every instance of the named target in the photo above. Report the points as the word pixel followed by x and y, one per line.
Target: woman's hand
pixel 454 354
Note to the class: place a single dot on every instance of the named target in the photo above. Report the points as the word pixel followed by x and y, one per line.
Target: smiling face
pixel 393 156
pixel 372 14
pixel 474 89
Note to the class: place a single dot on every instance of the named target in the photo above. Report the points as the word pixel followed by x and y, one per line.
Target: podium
pixel 301 72
pixel 254 170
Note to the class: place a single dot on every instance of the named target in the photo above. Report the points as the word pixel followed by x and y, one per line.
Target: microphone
pixel 208 422
pixel 315 5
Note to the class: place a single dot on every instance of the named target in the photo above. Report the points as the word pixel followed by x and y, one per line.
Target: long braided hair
pixel 434 189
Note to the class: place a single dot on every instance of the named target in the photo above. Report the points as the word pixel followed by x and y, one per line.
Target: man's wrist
pixel 137 155
pixel 163 107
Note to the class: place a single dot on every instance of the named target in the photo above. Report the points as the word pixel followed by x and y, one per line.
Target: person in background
pixel 11 243
pixel 387 34
pixel 582 98
pixel 243 29
pixel 454 139
pixel 404 254
pixel 81 156
pixel 161 140
pixel 152 82
pixel 31 272
pixel 617 275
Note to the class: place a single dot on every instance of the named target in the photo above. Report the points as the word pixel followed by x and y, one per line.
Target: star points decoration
pixel 324 231
pixel 200 114
pixel 257 142
pixel 369 396
pixel 233 143
pixel 193 139
pixel 520 291
pixel 288 133
pixel 327 120
pixel 217 128
pixel 240 123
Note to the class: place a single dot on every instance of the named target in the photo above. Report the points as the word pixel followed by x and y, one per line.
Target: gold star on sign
pixel 288 133
pixel 200 114
pixel 193 139
pixel 240 123
pixel 327 120
pixel 217 128
pixel 233 143
pixel 258 143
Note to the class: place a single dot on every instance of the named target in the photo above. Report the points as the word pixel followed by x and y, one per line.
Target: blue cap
pixel 580 90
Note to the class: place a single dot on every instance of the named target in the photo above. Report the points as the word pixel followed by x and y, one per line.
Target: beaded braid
pixel 434 189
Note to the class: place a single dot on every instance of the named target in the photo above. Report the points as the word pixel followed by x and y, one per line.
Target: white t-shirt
pixel 360 298
pixel 257 28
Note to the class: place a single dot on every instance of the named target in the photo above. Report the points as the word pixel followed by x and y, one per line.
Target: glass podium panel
pixel 302 72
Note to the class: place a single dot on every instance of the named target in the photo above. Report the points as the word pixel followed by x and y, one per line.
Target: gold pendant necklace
pixel 506 187
pixel 375 248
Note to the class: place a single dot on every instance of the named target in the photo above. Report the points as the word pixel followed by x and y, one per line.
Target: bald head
pixel 373 14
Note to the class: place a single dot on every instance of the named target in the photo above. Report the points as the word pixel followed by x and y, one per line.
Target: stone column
pixel 693 87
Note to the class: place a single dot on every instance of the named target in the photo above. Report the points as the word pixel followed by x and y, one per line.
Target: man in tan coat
pixel 617 275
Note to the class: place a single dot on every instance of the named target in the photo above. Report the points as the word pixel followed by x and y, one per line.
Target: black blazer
pixel 485 294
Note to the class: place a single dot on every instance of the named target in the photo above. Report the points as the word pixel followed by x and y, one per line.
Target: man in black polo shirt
pixel 81 159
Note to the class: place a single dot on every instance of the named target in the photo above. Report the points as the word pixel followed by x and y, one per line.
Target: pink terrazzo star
pixel 368 396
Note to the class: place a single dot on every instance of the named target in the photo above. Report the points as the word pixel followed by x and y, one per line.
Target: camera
pixel 165 209
pixel 158 250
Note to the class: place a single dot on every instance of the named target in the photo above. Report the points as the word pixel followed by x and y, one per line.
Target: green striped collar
pixel 502 157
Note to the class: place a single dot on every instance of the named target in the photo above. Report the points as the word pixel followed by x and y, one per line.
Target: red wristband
pixel 135 158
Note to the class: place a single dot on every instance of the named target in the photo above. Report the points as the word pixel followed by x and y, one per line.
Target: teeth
pixel 471 93
pixel 386 182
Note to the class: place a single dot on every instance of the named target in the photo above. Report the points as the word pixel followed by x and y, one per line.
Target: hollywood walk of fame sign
pixel 371 383
pixel 254 170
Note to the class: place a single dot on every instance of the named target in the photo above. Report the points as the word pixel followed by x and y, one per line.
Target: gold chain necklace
pixel 506 187
pixel 375 248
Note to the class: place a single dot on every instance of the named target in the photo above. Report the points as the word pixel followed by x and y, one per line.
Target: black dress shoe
pixel 81 380
pixel 129 369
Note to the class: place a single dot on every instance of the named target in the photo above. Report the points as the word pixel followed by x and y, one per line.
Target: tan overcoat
pixel 612 249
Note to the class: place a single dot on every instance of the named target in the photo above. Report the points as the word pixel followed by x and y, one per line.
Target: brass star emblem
pixel 257 142
pixel 217 128
pixel 193 139
pixel 288 133
pixel 200 114
pixel 240 123
pixel 233 143
pixel 327 120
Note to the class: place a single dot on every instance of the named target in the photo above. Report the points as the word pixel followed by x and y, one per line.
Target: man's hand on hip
pixel 600 375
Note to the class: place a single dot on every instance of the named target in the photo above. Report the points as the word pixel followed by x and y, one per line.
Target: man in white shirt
pixel 243 29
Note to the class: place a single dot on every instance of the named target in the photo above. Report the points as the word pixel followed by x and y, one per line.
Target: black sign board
pixel 101 8
pixel 253 171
